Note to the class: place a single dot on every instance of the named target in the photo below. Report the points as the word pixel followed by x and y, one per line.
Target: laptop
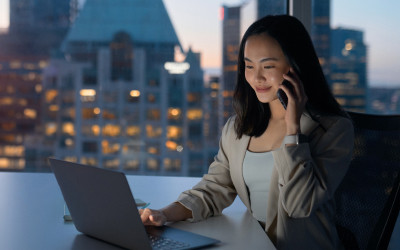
pixel 102 206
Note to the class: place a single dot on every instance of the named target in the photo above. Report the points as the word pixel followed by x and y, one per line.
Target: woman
pixel 305 148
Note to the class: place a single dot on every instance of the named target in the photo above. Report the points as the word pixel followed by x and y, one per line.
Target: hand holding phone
pixel 282 95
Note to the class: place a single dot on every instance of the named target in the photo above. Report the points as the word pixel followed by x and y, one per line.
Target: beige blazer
pixel 301 206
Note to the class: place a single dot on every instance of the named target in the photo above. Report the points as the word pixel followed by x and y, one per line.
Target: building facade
pixel 119 100
pixel 348 75
pixel 36 30
pixel 230 50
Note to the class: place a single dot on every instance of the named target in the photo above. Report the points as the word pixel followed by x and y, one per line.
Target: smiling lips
pixel 263 89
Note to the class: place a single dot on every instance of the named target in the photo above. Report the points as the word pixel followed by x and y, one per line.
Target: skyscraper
pixel 230 50
pixel 320 33
pixel 36 29
pixel 349 68
pixel 125 102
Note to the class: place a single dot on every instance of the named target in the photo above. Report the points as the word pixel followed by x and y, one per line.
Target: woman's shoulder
pixel 336 121
pixel 229 127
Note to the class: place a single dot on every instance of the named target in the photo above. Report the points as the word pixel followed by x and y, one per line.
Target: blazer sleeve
pixel 215 191
pixel 310 173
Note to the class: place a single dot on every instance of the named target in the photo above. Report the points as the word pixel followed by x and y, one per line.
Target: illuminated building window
pixel 67 143
pixel 341 101
pixel 18 151
pixel 174 132
pixel 152 164
pixel 90 130
pixel 111 163
pixel 153 149
pixel 111 130
pixel 173 146
pixel 214 94
pixel 70 158
pixel 12 163
pixel 109 147
pixel 68 128
pixel 195 114
pixel 132 164
pixel 6 101
pixel 88 113
pixel 8 126
pixel 31 76
pixel 53 108
pixel 50 95
pixel 133 96
pixel 51 128
pixel 172 164
pixel 23 102
pixel 88 95
pixel 174 114
pixel 153 114
pixel 133 131
pixel 43 64
pixel 30 113
pixel 89 161
pixel 9 138
pixel 214 85
pixel 15 65
pixel 153 132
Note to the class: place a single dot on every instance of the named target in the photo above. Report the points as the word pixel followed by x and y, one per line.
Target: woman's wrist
pixel 293 130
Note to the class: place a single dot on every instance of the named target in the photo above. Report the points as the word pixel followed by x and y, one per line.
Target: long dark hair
pixel 252 116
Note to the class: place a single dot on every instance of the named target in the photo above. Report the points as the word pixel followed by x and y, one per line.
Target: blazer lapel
pixel 237 169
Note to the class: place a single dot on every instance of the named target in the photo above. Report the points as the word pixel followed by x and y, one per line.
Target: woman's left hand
pixel 297 100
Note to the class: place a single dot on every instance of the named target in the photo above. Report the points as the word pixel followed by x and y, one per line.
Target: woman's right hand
pixel 152 217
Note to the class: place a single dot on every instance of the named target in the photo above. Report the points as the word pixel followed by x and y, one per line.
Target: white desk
pixel 31 214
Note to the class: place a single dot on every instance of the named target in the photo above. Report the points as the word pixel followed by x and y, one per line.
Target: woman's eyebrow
pixel 266 59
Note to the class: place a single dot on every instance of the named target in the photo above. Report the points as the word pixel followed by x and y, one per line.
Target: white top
pixel 257 170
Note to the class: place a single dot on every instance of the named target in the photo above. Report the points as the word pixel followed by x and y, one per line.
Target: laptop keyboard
pixel 158 242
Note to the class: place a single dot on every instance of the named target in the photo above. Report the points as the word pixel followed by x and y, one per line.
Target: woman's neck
pixel 277 110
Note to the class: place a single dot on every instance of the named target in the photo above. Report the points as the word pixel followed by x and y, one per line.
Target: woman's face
pixel 265 65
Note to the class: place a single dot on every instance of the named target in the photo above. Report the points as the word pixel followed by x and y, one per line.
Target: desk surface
pixel 31 214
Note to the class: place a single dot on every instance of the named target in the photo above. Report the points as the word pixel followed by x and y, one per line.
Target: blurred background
pixel 145 86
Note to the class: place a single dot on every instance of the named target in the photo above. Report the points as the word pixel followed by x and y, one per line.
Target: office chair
pixel 368 199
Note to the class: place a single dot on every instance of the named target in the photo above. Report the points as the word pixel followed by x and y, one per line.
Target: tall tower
pixel 36 30
pixel 320 33
pixel 230 50
pixel 349 68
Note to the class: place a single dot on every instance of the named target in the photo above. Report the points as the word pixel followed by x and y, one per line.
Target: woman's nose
pixel 260 76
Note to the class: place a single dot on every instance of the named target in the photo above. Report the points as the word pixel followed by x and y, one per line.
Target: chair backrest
pixel 368 199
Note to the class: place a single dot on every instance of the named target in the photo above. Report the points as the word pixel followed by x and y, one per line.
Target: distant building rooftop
pixel 144 20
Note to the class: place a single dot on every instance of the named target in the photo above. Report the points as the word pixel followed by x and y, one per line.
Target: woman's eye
pixel 268 67
pixel 249 67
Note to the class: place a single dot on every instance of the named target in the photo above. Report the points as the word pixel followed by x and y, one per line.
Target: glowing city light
pixel 176 67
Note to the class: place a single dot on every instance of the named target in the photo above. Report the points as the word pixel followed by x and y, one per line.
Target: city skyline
pixel 201 29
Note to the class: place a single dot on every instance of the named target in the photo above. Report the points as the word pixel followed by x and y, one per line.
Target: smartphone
pixel 282 95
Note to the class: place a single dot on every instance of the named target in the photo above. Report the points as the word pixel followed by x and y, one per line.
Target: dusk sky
pixel 198 24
